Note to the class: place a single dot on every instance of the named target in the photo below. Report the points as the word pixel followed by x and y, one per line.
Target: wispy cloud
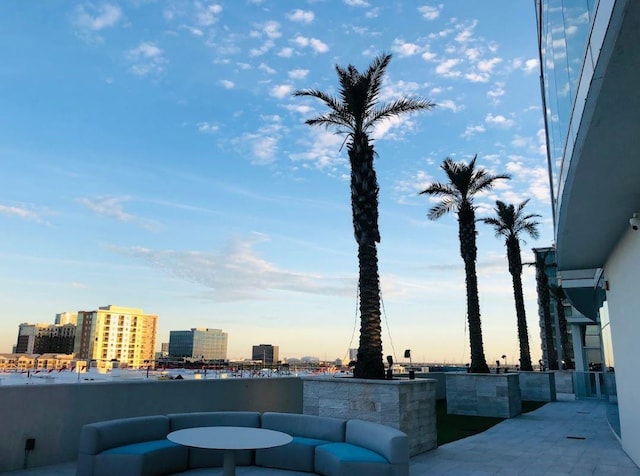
pixel 298 73
pixel 237 272
pixel 262 145
pixel 207 127
pixel 89 19
pixel 146 59
pixel 112 207
pixel 281 91
pixel 227 84
pixel 23 212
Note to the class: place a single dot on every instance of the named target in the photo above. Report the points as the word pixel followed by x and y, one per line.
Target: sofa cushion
pixel 345 459
pixel 103 435
pixel 307 426
pixel 151 458
pixel 203 458
pixel 299 455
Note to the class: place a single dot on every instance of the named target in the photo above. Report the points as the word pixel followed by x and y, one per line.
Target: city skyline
pixel 156 158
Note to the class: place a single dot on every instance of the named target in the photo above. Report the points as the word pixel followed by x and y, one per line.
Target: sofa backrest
pixel 104 435
pixel 307 426
pixel 391 443
pixel 179 421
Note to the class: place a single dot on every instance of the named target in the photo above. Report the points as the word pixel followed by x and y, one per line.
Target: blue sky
pixel 153 156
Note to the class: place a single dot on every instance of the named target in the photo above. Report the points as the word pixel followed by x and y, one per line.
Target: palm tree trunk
pixel 567 348
pixel 515 268
pixel 542 284
pixel 468 251
pixel 364 205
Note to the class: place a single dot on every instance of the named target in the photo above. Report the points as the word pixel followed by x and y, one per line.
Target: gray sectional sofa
pixel 321 445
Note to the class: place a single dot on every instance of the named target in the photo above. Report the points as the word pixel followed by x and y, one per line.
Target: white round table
pixel 229 439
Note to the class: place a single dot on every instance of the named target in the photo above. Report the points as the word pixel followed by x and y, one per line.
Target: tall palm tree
pixel 465 181
pixel 354 112
pixel 567 348
pixel 544 303
pixel 510 222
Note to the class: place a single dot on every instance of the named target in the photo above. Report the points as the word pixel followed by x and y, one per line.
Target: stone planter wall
pixel 564 381
pixel 538 386
pixel 408 405
pixel 484 395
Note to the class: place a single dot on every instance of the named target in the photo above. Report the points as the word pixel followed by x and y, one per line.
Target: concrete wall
pixel 623 299
pixel 441 382
pixel 564 381
pixel 54 414
pixel 484 394
pixel 408 405
pixel 538 386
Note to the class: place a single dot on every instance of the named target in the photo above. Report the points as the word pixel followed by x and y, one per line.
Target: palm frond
pixel 442 208
pixel 440 189
pixel 397 107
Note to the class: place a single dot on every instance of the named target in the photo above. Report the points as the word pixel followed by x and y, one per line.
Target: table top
pixel 229 437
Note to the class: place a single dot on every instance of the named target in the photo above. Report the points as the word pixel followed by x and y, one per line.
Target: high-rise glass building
pixel 198 343
pixel 590 72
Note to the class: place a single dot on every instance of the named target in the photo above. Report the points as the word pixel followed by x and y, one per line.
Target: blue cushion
pixel 141 448
pixel 347 452
pixel 309 441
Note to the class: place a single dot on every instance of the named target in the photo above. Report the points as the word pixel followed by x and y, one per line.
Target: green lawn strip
pixel 454 427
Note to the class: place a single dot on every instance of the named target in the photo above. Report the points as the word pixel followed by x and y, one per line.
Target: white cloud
pixel 286 52
pixel 315 44
pixel 496 92
pixel 271 29
pixel 281 91
pixel 465 32
pixel 430 13
pixel 265 47
pixel 498 120
pixel 262 144
pixel 356 3
pixel 449 104
pixel 227 84
pixel 146 59
pixel 486 66
pixel 531 65
pixel 428 55
pixel 445 68
pixel 302 16
pixel 298 73
pixel 266 68
pixel 322 151
pixel 98 18
pixel 207 15
pixel 477 77
pixel 470 131
pixel 207 127
pixel 404 48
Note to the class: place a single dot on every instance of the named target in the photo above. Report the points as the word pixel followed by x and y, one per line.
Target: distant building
pixel 67 318
pixel 164 349
pixel 45 338
pixel 310 359
pixel 122 334
pixel 353 354
pixel 267 353
pixel 198 343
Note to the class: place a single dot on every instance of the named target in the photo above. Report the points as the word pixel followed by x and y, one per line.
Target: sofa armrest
pixel 104 435
pixel 389 442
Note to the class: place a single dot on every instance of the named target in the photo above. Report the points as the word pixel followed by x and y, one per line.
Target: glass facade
pixel 205 344
pixel 570 34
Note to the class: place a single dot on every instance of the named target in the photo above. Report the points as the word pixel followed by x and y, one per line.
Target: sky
pixel 153 156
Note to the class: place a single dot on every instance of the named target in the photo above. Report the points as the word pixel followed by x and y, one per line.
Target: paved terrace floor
pixel 561 438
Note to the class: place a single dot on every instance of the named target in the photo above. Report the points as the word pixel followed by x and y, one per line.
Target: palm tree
pixel 510 222
pixel 465 181
pixel 354 112
pixel 567 348
pixel 544 303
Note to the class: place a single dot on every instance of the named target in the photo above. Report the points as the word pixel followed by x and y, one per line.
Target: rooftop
pixel 561 438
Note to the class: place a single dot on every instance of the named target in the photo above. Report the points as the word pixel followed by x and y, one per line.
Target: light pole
pixel 147 363
pixel 505 363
